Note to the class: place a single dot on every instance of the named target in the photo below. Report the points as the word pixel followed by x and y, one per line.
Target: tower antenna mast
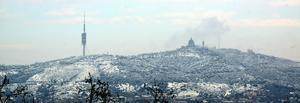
pixel 84 22
pixel 83 36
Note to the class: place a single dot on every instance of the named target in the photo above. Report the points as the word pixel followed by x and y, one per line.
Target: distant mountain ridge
pixel 202 69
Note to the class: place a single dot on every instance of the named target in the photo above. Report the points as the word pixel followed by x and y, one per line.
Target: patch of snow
pixel 109 68
pixel 214 87
pixel 176 85
pixel 7 73
pixel 189 55
pixel 189 93
pixel 242 88
pixel 3 73
pixel 126 87
pixel 64 73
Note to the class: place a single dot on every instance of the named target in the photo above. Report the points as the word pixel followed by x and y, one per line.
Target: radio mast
pixel 83 37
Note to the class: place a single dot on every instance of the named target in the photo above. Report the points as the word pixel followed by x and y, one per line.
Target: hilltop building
pixel 191 43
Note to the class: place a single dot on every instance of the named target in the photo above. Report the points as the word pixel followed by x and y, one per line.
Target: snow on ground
pixel 193 89
pixel 126 87
pixel 213 87
pixel 176 85
pixel 188 93
pixel 190 63
pixel 242 88
pixel 64 73
pixel 186 54
pixel 71 76
pixel 109 68
pixel 3 73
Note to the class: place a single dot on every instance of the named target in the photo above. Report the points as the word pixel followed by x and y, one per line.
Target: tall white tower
pixel 83 37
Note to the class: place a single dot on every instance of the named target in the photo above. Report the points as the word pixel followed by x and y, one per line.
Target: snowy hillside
pixel 191 70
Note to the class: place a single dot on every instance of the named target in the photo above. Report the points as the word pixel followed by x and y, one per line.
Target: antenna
pixel 83 36
pixel 84 22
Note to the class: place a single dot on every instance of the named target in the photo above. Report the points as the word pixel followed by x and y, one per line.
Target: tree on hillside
pixel 98 91
pixel 46 92
pixel 160 92
pixel 19 94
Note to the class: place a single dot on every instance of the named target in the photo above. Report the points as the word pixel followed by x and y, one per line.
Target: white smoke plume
pixel 209 30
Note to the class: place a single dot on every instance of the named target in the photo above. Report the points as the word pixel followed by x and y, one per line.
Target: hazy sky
pixel 40 30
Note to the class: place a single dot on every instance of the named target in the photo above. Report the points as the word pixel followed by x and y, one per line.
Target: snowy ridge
pixel 191 70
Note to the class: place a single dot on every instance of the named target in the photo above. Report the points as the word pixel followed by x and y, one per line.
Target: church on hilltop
pixel 191 43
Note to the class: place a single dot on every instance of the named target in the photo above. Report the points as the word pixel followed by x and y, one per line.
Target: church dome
pixel 191 43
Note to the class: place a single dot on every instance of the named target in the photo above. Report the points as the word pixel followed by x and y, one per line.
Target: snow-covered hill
pixel 198 70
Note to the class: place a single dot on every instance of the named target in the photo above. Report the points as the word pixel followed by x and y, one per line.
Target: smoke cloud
pixel 209 30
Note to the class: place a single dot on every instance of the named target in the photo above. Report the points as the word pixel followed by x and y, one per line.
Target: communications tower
pixel 83 37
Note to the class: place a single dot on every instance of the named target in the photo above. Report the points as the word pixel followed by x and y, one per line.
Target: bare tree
pixel 160 92
pixel 19 94
pixel 98 91
pixel 3 96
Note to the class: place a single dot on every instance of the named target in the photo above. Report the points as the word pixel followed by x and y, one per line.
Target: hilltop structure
pixel 191 43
